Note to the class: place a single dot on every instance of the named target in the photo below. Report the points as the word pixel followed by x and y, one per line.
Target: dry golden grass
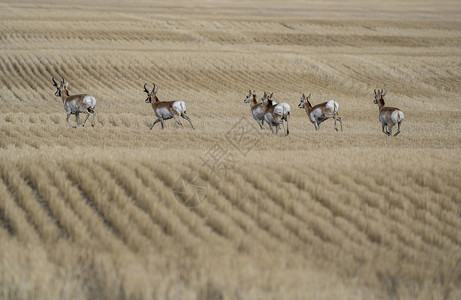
pixel 90 213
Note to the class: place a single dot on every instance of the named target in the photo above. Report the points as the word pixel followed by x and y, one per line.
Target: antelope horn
pixel 54 82
pixel 145 89
pixel 153 90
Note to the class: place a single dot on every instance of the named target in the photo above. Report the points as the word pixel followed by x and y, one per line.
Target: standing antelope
pixel 75 104
pixel 255 108
pixel 165 110
pixel 275 114
pixel 321 112
pixel 389 116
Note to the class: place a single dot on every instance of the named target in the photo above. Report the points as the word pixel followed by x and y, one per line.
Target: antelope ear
pixel 384 93
pixel 249 91
pixel 309 95
pixel 66 85
pixel 303 96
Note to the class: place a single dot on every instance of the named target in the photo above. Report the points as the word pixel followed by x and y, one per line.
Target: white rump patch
pixel 282 109
pixel 179 107
pixel 89 101
pixel 397 116
pixel 333 106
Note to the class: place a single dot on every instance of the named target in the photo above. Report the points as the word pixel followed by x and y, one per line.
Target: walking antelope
pixel 165 110
pixel 75 104
pixel 256 109
pixel 389 116
pixel 321 112
pixel 275 114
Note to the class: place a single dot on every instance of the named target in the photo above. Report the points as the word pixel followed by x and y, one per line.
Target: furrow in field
pixel 363 73
pixel 40 133
pixel 445 83
pixel 175 220
pixel 222 204
pixel 192 216
pixel 382 235
pixel 80 77
pixel 222 74
pixel 11 216
pixel 117 81
pixel 321 177
pixel 91 65
pixel 71 70
pixel 232 221
pixel 309 205
pixel 27 199
pixel 202 214
pixel 28 64
pixel 9 136
pixel 283 225
pixel 184 78
pixel 146 70
pixel 47 69
pixel 145 200
pixel 401 219
pixel 70 224
pixel 82 205
pixel 407 197
pixel 222 38
pixel 4 71
pixel 219 222
pixel 361 205
pixel 24 81
pixel 291 39
pixel 97 197
pixel 362 229
pixel 121 78
pixel 430 212
pixel 320 225
pixel 29 175
pixel 139 223
pixel 9 73
pixel 451 189
pixel 263 224
pixel 21 135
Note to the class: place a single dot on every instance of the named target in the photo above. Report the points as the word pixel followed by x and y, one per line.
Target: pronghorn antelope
pixel 389 116
pixel 165 110
pixel 256 108
pixel 321 112
pixel 75 104
pixel 274 113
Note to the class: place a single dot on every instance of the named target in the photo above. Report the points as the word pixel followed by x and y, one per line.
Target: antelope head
pixel 267 99
pixel 151 94
pixel 59 86
pixel 303 100
pixel 250 96
pixel 379 96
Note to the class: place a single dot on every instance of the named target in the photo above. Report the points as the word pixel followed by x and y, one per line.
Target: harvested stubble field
pixel 91 213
